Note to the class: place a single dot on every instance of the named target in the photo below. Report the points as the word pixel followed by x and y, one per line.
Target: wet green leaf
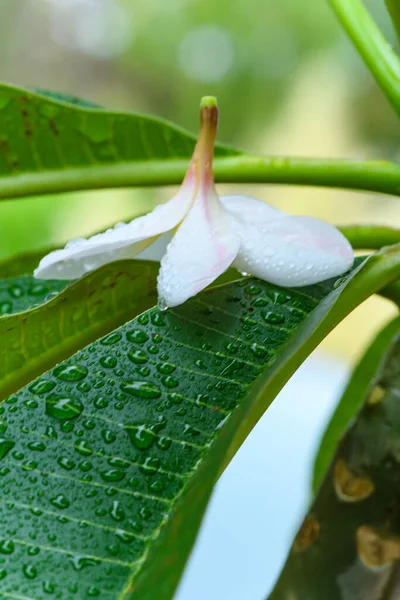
pixel 110 458
pixel 65 320
pixel 349 543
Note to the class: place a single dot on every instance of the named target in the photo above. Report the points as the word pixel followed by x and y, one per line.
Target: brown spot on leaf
pixel 376 395
pixel 375 549
pixel 307 534
pixel 53 127
pixel 348 486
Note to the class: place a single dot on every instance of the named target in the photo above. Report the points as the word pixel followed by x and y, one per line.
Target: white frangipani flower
pixel 211 234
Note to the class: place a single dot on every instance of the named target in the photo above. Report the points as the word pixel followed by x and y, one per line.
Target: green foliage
pixel 349 542
pixel 134 428
pixel 62 323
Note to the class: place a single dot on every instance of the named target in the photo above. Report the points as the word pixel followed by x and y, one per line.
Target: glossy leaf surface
pixel 66 320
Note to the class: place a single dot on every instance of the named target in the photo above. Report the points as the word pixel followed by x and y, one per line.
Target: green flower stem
pixel 377 54
pixel 370 237
pixel 373 176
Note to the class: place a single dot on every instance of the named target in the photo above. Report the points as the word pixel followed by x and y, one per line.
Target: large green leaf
pixel 44 140
pixel 109 460
pixel 352 398
pixel 64 321
pixel 349 542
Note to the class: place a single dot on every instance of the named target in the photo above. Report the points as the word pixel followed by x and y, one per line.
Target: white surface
pixel 261 497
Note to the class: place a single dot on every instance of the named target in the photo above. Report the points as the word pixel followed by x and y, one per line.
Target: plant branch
pixel 372 176
pixel 370 237
pixel 381 60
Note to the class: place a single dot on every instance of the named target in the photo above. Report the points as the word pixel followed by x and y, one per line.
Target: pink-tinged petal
pixel 122 241
pixel 203 247
pixel 288 250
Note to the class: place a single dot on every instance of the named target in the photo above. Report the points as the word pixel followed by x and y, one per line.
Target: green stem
pixel 378 55
pixel 372 176
pixel 370 237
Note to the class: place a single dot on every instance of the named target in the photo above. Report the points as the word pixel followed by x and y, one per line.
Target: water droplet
pixel 125 536
pixel 81 562
pixel 85 466
pixel 108 362
pixel 70 372
pixel 145 513
pixel 150 466
pixel 143 319
pixel 166 368
pixel 6 547
pixel 6 308
pixel 157 486
pixel 66 463
pixel 157 318
pixel 63 408
pixel 253 290
pixel 101 402
pixel 111 339
pixel 164 443
pixel 83 448
pixel 48 587
pixel 140 389
pixel 29 571
pixel 117 512
pixel 37 446
pixel 170 381
pixel 5 447
pixel 60 501
pixel 108 436
pixel 113 475
pixel 41 386
pixel 259 351
pixel 38 289
pixel 93 591
pixel 15 291
pixel 272 317
pixel 140 437
pixel 137 335
pixel 138 357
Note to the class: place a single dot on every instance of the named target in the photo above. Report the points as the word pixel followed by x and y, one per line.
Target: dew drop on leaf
pixel 63 408
pixel 6 547
pixel 140 389
pixel 41 386
pixel 29 571
pixel 137 335
pixel 272 317
pixel 70 372
pixel 140 437
pixel 108 362
pixel 60 501
pixel 113 475
pixel 138 357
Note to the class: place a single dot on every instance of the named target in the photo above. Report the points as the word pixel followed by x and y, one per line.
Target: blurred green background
pixel 287 79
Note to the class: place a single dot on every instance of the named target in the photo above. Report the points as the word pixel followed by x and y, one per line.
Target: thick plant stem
pixel 370 237
pixel 377 54
pixel 372 176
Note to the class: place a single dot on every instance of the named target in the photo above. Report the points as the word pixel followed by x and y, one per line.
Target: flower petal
pixel 122 241
pixel 203 247
pixel 287 250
